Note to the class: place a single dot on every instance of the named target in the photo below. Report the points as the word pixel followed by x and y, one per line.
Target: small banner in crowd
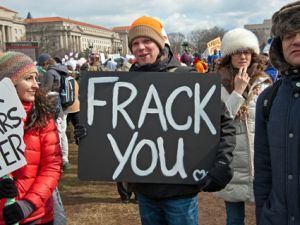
pixel 148 127
pixel 214 44
pixel 11 129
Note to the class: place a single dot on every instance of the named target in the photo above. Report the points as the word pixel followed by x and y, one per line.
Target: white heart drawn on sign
pixel 199 174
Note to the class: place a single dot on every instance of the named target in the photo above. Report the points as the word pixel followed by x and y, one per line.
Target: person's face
pixel 26 87
pixel 241 58
pixel 291 47
pixel 145 50
pixel 45 66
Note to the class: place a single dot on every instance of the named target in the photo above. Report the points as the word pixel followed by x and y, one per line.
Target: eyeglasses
pixel 242 52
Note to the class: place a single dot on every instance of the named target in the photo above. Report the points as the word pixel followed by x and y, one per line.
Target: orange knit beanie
pixel 146 26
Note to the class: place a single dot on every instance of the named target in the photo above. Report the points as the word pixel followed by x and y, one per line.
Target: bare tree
pixel 176 40
pixel 199 38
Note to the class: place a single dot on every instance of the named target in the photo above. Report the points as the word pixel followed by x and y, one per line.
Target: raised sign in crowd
pixel 162 126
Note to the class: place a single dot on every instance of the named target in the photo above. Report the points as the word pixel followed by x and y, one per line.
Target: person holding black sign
pixel 173 203
pixel 243 79
pixel 168 203
pixel 34 183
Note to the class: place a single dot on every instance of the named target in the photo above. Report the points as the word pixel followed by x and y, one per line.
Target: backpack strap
pixel 268 101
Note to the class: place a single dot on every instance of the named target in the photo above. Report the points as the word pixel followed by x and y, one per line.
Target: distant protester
pixel 200 65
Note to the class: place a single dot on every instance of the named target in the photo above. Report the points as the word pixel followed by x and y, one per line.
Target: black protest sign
pixel 11 129
pixel 148 127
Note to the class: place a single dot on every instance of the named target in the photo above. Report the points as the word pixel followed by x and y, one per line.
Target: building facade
pixel 12 27
pixel 262 31
pixel 58 35
pixel 123 33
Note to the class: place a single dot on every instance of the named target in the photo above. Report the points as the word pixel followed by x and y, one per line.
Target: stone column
pixel 66 41
pixel 1 39
pixel 70 46
pixel 3 34
pixel 79 43
pixel 73 43
pixel 61 41
pixel 9 34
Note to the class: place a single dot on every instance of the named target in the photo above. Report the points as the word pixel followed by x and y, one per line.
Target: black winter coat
pixel 221 173
pixel 277 156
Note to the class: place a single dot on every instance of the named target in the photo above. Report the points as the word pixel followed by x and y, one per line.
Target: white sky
pixel 176 15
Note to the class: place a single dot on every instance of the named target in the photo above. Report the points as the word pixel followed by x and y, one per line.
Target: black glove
pixel 79 133
pixel 8 188
pixel 208 185
pixel 217 178
pixel 17 211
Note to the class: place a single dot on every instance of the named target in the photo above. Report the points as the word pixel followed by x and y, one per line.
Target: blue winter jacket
pixel 277 156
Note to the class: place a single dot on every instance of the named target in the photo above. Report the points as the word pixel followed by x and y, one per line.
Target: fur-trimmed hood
pixel 285 20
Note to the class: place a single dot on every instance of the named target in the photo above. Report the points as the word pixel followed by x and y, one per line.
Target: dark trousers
pixel 123 192
pixel 74 118
pixel 235 213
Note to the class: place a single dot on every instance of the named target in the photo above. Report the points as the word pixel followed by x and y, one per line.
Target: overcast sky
pixel 176 15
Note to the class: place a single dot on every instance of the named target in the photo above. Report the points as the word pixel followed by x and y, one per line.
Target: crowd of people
pixel 257 156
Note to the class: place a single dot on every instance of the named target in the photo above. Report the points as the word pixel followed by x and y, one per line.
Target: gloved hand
pixel 209 185
pixel 8 188
pixel 17 211
pixel 217 178
pixel 79 133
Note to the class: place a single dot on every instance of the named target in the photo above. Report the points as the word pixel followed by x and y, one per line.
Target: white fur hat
pixel 237 39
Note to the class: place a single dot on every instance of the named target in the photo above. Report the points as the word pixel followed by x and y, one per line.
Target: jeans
pixel 235 213
pixel 182 211
pixel 59 212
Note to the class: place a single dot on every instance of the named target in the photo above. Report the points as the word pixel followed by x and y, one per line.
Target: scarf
pixel 27 107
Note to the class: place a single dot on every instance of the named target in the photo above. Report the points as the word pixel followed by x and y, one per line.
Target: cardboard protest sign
pixel 148 127
pixel 11 129
pixel 214 44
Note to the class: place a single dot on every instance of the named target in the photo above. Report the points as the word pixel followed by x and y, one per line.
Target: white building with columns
pixel 57 35
pixel 12 27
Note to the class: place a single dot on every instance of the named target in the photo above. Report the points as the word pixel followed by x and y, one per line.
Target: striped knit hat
pixel 146 26
pixel 15 65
